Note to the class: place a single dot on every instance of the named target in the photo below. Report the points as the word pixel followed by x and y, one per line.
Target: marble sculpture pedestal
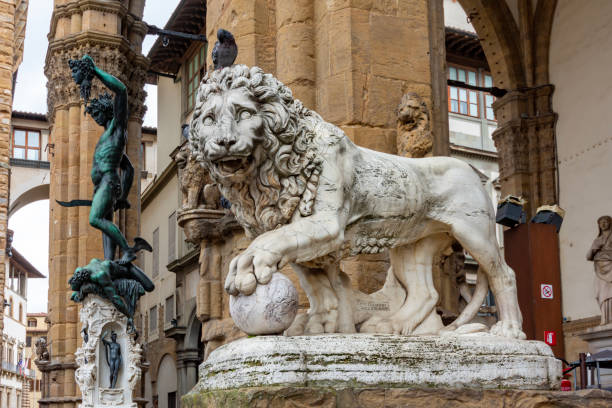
pixel 374 361
pixel 92 375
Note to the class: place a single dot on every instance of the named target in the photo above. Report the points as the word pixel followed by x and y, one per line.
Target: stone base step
pixel 479 361
pixel 292 397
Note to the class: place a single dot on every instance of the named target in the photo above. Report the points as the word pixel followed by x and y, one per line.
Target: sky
pixel 31 223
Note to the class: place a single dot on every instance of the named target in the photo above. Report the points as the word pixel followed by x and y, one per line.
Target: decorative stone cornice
pixel 575 326
pixel 78 7
pixel 111 56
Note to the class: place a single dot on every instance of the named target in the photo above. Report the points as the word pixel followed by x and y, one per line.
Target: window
pixel 172 399
pixel 11 308
pixel 26 144
pixel 489 99
pixel 169 309
pixel 155 271
pixel 153 319
pixel 20 312
pixel 460 100
pixel 172 237
pixel 32 323
pixel 28 341
pixel 143 150
pixel 194 73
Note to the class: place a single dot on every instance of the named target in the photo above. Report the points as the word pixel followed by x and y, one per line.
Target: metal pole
pixel 583 371
pixel 598 375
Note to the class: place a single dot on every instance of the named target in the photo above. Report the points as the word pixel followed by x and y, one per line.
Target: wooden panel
pixel 532 250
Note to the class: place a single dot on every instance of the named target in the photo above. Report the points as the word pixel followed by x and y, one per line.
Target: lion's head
pixel 412 111
pixel 255 140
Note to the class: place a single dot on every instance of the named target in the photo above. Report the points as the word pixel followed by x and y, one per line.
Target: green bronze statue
pixel 110 188
pixel 112 174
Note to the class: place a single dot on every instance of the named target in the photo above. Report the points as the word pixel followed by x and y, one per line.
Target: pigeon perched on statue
pixel 225 51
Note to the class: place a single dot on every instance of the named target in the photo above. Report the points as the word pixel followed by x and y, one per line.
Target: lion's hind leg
pixel 413 268
pixel 478 238
pixel 322 316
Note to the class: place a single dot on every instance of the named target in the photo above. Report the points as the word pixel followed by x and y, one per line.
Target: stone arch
pixel 544 16
pixel 166 379
pixel 36 193
pixel 499 34
pixel 193 334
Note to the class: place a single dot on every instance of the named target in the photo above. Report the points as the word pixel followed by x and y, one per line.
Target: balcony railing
pixel 13 368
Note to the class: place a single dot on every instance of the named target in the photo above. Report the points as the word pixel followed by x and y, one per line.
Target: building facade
pixel 30 152
pixel 12 36
pixel 17 375
pixel 36 328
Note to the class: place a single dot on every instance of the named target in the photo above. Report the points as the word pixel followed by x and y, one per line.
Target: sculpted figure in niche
pixel 601 255
pixel 113 357
pixel 414 137
pixel 309 197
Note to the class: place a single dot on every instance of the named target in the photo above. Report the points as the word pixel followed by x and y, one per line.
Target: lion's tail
pixel 470 310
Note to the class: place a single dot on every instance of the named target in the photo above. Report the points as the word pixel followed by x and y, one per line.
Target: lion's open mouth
pixel 233 164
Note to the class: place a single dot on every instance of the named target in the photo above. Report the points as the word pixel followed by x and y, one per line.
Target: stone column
pixel 111 33
pixel 295 48
pixel 253 24
pixel 368 55
pixel 12 34
pixel 187 366
pixel 525 141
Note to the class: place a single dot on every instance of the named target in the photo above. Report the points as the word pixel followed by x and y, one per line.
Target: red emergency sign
pixel 550 338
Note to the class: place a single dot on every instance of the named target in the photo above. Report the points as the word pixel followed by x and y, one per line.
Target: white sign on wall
pixel 546 291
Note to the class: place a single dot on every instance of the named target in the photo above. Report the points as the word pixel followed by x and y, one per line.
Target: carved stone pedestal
pixel 342 361
pixel 98 317
pixel 367 371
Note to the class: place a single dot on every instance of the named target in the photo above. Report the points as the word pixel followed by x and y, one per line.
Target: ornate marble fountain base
pixel 389 361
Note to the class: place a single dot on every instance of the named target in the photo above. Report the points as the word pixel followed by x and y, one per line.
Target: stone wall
pixel 350 61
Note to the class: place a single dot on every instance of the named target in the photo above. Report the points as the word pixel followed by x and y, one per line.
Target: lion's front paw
pixel 250 268
pixel 508 328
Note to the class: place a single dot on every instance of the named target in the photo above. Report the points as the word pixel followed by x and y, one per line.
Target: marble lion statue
pixel 308 197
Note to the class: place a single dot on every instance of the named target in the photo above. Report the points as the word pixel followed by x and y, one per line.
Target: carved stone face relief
pixel 414 137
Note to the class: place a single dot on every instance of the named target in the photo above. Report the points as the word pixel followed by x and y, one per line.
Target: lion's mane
pixel 288 170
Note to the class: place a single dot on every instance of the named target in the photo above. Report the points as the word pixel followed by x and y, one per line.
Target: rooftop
pixel 25 264
pixel 29 115
pixel 464 44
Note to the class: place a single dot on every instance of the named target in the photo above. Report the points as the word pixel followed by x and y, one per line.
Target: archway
pixel 516 45
pixel 498 34
pixel 36 193
pixel 191 355
pixel 166 383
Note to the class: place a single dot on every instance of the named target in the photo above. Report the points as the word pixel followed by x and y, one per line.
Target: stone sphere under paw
pixel 269 310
